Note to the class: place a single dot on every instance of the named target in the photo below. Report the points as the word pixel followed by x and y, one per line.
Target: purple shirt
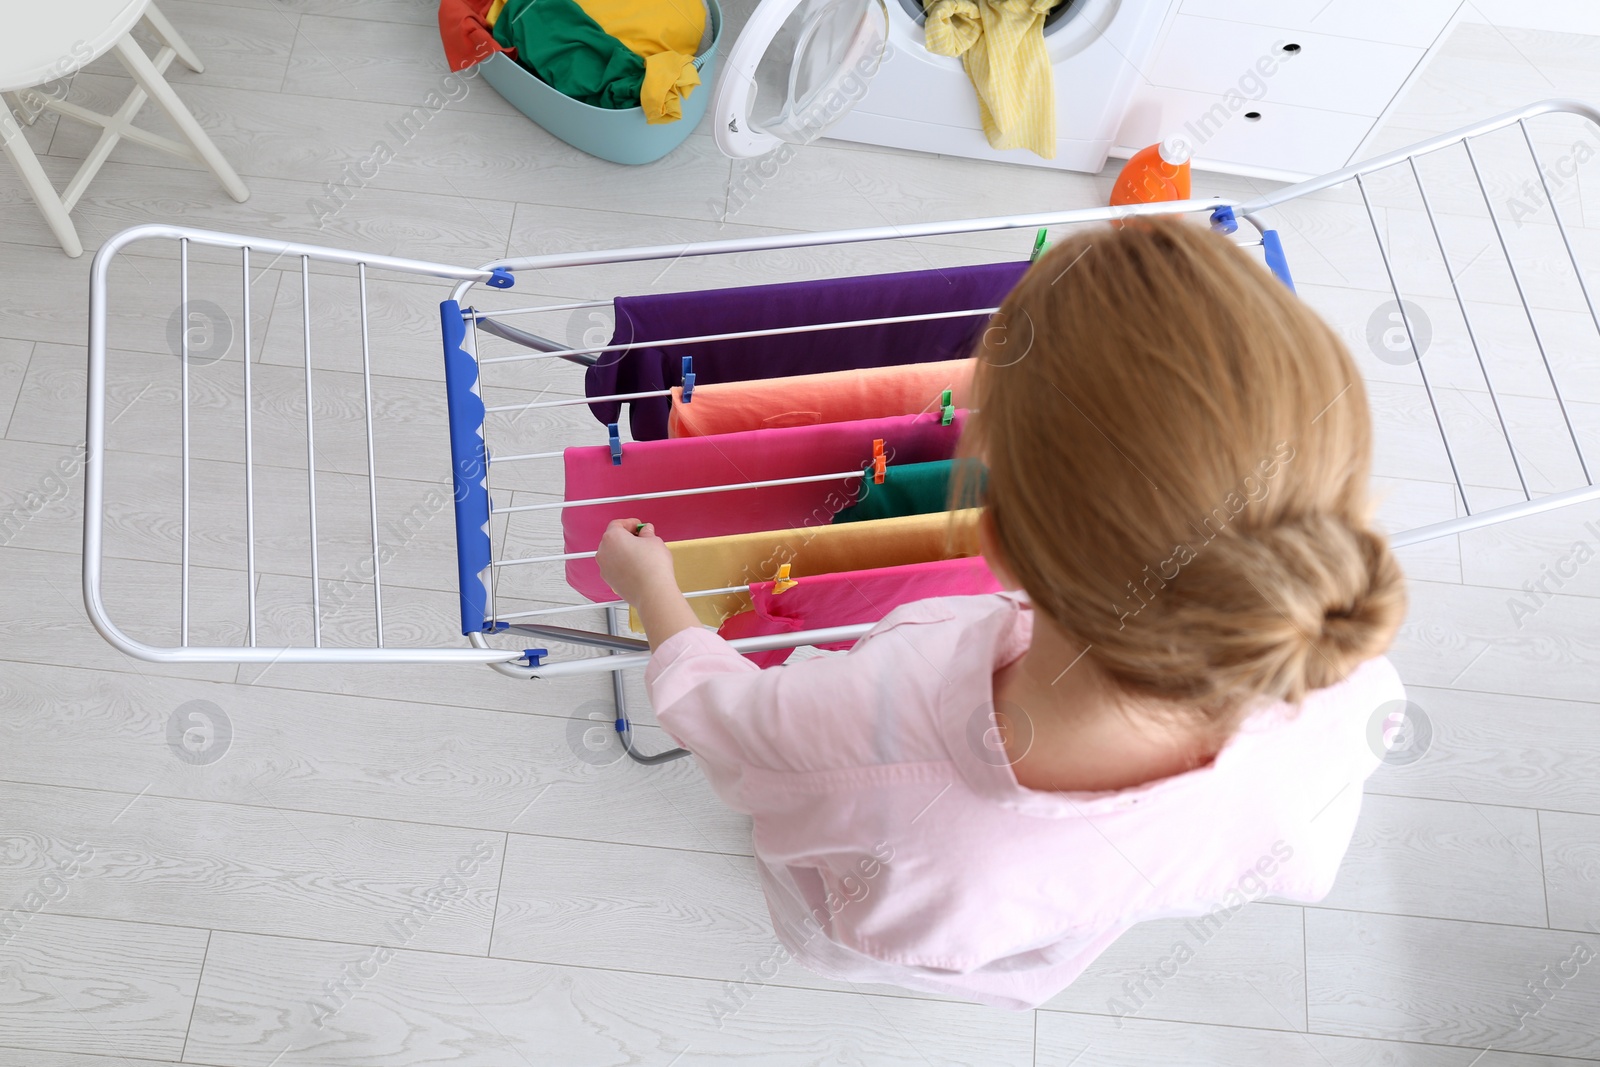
pixel 645 367
pixel 895 844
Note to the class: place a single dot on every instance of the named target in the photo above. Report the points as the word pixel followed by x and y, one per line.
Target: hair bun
pixel 1342 589
pixel 1280 611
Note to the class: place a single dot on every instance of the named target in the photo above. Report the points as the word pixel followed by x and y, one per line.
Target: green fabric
pixel 907 489
pixel 568 51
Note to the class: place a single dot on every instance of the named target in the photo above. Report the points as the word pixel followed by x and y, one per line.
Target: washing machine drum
pixel 796 69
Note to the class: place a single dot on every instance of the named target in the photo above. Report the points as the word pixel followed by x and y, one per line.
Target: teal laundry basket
pixel 621 136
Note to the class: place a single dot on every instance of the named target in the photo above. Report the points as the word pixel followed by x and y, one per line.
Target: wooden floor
pixel 409 866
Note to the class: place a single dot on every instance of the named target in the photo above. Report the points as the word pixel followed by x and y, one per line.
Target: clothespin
pixel 1222 219
pixel 534 656
pixel 947 408
pixel 1038 244
pixel 879 461
pixel 688 378
pixel 784 583
pixel 616 444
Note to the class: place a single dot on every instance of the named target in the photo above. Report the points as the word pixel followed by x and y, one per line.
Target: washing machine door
pixel 795 70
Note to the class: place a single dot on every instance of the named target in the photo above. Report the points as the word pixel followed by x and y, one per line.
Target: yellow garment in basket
pixel 665 33
pixel 494 11
pixel 739 559
pixel 1001 45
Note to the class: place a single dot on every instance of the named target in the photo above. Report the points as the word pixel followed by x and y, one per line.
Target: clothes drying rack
pixel 500 637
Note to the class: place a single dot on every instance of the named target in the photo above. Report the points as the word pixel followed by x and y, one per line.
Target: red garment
pixel 848 597
pixel 730 459
pixel 464 29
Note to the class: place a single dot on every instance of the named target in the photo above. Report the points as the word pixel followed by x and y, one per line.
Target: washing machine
pixel 858 70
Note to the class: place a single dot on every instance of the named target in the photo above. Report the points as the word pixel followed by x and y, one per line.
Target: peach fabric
pixel 809 399
pixel 719 562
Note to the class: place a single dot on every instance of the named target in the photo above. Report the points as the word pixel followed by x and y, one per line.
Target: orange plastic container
pixel 1154 174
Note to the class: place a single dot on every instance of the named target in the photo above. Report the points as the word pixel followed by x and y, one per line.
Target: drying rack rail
pixel 498 630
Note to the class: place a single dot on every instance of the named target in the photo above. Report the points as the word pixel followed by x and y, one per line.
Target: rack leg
pixel 619 694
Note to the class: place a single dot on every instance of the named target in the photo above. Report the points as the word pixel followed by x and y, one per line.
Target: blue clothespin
pixel 535 656
pixel 1222 219
pixel 500 278
pixel 947 408
pixel 688 378
pixel 616 444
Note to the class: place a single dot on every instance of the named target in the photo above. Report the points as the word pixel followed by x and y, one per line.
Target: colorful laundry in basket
pixel 812 399
pixel 609 53
pixel 740 559
pixel 648 367
pixel 1001 45
pixel 846 598
pixel 733 459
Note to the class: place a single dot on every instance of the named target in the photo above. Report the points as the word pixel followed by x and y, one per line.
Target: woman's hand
pixel 634 561
pixel 638 565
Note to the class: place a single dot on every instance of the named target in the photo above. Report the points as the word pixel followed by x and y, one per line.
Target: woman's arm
pixel 638 566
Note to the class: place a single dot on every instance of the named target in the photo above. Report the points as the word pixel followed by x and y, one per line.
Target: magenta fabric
pixel 645 367
pixel 751 456
pixel 849 597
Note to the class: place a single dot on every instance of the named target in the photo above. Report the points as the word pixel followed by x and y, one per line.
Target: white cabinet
pixel 1285 89
pixel 1410 22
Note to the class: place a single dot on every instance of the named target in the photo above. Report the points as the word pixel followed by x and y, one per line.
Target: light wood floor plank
pixel 14 356
pixel 1447 859
pixel 1067 1040
pixel 260 998
pixel 1243 969
pixel 1572 868
pixel 1489 748
pixel 257 868
pixel 361 757
pixel 1453 983
pixel 86 985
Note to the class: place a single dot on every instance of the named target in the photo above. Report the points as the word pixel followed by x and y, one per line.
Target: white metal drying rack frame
pixel 467 411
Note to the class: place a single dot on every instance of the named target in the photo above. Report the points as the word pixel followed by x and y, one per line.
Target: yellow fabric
pixel 494 11
pixel 739 559
pixel 664 32
pixel 1001 45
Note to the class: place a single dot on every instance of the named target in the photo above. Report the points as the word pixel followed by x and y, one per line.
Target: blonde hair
pixel 1178 453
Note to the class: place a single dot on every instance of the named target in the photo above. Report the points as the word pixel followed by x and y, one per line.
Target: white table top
pixel 40 42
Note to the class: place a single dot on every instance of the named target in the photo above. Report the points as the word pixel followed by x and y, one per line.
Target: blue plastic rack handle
pixel 1273 248
pixel 469 468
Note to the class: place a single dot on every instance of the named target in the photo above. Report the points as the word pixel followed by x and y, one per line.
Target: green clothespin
pixel 1038 244
pixel 947 406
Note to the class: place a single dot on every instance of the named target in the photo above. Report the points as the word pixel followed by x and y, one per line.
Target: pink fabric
pixel 752 456
pixel 850 597
pixel 895 845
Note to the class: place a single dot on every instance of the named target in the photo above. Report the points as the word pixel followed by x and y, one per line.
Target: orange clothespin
pixel 879 461
pixel 784 583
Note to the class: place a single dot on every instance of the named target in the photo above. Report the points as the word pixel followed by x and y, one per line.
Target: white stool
pixel 46 43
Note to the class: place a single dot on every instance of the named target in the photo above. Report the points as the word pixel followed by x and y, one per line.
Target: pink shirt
pixel 896 846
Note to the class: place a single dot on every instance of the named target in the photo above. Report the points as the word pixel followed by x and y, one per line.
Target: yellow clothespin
pixel 784 583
